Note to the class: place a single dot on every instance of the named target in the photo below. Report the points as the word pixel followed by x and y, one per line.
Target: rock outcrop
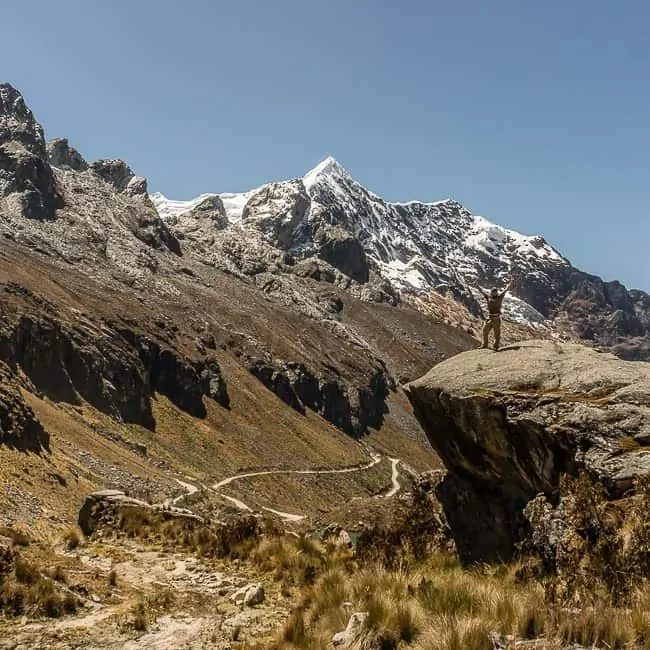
pixel 63 156
pixel 508 425
pixel 27 183
pixel 103 509
pixel 116 370
pixel 19 427
pixel 351 408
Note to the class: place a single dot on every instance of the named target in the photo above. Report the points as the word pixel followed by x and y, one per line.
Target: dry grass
pixel 597 595
pixel 234 538
pixel 26 589
pixel 148 608
pixel 72 538
pixel 297 561
pixel 443 606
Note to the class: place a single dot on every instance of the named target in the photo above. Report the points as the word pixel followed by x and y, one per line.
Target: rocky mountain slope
pixel 118 335
pixel 245 353
pixel 324 295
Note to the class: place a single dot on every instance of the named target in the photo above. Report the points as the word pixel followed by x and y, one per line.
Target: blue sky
pixel 534 114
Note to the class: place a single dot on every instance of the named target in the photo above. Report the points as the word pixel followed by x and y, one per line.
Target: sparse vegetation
pixel 26 589
pixel 233 539
pixel 148 608
pixel 17 537
pixel 597 595
pixel 72 538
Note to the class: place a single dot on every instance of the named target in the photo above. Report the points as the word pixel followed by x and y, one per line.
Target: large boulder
pixel 103 509
pixel 509 424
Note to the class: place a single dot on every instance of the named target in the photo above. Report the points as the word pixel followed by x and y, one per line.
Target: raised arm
pixel 484 293
pixel 507 288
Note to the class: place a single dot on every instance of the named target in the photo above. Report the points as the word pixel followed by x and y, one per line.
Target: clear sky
pixel 533 113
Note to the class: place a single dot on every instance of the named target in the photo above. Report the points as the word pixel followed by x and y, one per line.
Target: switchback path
pixel 216 487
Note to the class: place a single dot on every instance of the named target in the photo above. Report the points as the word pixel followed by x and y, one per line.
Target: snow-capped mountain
pixel 418 247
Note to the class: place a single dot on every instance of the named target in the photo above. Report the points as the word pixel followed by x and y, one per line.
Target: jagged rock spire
pixel 17 122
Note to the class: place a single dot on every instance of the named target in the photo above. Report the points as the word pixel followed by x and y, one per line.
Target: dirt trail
pixel 216 487
pixel 395 478
pixel 376 458
pixel 201 613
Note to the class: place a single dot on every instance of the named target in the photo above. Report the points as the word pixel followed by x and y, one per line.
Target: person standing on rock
pixel 493 321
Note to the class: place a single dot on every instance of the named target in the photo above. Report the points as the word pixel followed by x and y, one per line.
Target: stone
pixel 114 171
pixel 249 596
pixel 102 509
pixel 352 633
pixel 337 534
pixel 508 425
pixel 62 155
pixel 254 595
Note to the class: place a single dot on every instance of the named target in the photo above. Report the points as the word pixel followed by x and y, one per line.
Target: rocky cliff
pixel 509 425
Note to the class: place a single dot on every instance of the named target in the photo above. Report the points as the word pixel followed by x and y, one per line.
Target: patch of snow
pixel 234 204
pixel 167 208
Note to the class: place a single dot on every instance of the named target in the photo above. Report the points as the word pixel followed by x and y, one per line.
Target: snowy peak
pixel 329 170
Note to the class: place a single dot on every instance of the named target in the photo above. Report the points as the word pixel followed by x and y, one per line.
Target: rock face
pixel 116 370
pixel 63 156
pixel 508 425
pixel 19 427
pixel 351 408
pixel 27 183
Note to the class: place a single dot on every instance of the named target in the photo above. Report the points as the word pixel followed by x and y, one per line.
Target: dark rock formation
pixel 149 227
pixel 62 155
pixel 19 427
pixel 117 371
pixel 343 252
pixel 183 381
pixel 351 408
pixel 113 171
pixel 27 183
pixel 508 425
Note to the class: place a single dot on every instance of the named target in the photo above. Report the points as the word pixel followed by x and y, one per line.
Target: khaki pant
pixel 493 323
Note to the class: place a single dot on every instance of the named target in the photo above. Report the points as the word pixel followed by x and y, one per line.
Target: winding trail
pixel 191 489
pixel 216 487
pixel 395 478
pixel 376 458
